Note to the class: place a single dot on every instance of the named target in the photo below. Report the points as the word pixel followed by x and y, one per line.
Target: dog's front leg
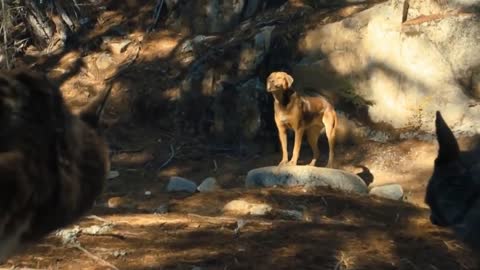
pixel 282 135
pixel 296 148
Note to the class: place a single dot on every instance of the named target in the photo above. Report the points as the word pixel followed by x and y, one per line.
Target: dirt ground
pixel 181 231
pixel 337 230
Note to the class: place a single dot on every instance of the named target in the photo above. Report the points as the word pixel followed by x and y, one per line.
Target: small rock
pixel 148 193
pixel 208 185
pixel 113 174
pixel 393 191
pixel 181 184
pixel 162 209
pixel 242 207
pixel 119 253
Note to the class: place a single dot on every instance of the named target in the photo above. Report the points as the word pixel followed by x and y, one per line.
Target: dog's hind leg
pixel 330 122
pixel 312 136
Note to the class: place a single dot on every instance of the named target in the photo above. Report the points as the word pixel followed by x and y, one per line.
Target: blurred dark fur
pixel 453 192
pixel 53 163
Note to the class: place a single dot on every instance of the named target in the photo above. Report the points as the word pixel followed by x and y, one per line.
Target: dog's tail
pixel 335 120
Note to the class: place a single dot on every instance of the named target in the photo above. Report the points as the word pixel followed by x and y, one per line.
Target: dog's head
pixel 453 190
pixel 279 81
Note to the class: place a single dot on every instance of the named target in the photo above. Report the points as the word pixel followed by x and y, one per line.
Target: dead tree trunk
pixel 40 26
pixel 51 22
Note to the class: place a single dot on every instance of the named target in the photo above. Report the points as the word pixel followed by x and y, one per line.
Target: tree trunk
pixel 40 26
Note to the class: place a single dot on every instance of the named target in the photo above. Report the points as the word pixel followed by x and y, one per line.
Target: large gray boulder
pixel 407 70
pixel 307 176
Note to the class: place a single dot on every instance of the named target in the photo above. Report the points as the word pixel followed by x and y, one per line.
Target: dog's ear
pixel 448 149
pixel 269 82
pixel 91 114
pixel 288 81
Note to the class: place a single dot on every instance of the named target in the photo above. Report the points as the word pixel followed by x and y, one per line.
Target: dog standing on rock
pixel 310 115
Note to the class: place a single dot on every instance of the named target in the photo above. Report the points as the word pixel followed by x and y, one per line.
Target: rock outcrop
pixel 407 70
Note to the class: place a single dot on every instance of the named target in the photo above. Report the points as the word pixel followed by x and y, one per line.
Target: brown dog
pixel 310 115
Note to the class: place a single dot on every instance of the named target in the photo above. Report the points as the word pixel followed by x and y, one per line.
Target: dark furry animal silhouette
pixel 53 163
pixel 453 192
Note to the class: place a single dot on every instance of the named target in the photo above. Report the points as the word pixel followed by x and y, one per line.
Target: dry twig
pixel 98 218
pixel 172 155
pixel 5 39
pixel 156 14
pixel 96 258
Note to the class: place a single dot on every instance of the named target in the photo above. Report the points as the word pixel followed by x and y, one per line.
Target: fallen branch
pixel 222 220
pixel 39 25
pixel 435 17
pixel 172 155
pixel 98 218
pixel 156 14
pixel 64 16
pixel 343 262
pixel 113 235
pixel 96 258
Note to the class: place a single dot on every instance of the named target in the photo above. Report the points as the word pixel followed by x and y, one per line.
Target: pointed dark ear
pixel 92 112
pixel 448 149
